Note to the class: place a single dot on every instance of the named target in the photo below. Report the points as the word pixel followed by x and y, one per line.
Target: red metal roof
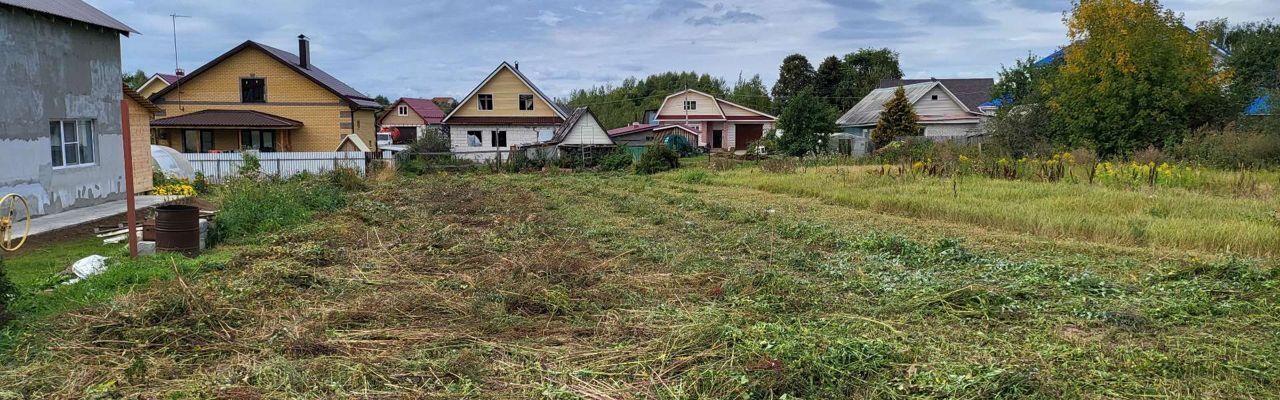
pixel 427 109
pixel 168 78
pixel 226 119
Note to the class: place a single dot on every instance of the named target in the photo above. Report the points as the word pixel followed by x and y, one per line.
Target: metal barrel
pixel 178 229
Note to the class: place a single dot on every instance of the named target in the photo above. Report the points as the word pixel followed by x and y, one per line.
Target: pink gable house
pixel 722 125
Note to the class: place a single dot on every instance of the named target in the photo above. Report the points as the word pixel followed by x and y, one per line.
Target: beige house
pixel 720 125
pixel 503 111
pixel 409 117
pixel 257 97
pixel 157 82
pixel 942 113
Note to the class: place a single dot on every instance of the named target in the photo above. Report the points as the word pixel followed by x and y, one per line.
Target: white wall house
pixel 505 110
pixel 942 114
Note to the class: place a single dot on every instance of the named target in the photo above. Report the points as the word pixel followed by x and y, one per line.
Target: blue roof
pixel 1057 55
pixel 1259 106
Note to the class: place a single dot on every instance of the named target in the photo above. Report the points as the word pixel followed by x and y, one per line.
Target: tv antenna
pixel 174 18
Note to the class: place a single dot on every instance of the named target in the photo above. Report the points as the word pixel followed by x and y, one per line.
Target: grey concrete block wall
pixel 51 69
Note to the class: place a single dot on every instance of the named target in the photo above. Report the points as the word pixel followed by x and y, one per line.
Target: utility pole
pixel 174 18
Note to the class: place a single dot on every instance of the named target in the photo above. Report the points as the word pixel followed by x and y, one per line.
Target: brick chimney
pixel 304 52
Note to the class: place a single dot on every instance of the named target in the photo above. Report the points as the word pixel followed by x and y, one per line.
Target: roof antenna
pixel 517 65
pixel 174 17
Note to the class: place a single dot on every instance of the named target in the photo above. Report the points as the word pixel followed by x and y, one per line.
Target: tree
pixel 864 70
pixel 1131 76
pixel 617 106
pixel 1025 83
pixel 805 123
pixel 136 79
pixel 750 93
pixel 380 99
pixel 897 120
pixel 794 76
pixel 830 74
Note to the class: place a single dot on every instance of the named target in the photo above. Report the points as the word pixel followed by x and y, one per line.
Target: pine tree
pixel 897 120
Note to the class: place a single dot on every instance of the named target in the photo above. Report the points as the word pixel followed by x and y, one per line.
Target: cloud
pixel 736 16
pixel 1040 5
pixel 948 13
pixel 547 18
pixel 674 8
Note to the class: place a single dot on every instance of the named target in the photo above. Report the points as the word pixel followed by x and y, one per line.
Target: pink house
pixel 721 125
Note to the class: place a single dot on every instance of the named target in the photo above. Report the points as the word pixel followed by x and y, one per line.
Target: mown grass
pixel 592 286
pixel 1173 218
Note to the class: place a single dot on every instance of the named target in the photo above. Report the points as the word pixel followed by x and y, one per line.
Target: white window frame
pixel 480 101
pixel 402 110
pixel 690 105
pixel 84 133
pixel 521 101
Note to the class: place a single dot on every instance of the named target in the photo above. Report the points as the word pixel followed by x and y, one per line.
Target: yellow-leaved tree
pixel 1131 77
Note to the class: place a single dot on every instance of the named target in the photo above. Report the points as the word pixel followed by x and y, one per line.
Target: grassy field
pixel 1160 218
pixel 691 284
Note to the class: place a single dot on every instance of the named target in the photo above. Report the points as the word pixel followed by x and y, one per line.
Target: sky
pixel 429 48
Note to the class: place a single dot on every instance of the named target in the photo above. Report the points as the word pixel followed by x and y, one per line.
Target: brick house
pixel 409 117
pixel 257 97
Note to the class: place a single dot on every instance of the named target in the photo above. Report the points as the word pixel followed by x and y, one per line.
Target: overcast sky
pixel 427 48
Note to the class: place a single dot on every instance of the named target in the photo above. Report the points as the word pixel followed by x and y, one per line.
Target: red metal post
pixel 131 215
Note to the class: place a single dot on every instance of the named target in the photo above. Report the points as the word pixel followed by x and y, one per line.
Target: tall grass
pixel 253 205
pixel 1163 217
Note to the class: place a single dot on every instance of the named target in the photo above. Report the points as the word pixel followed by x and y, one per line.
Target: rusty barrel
pixel 178 229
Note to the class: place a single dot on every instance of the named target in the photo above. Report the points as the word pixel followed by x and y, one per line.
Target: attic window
pixel 690 105
pixel 486 102
pixel 526 102
pixel 935 97
pixel 403 110
pixel 253 90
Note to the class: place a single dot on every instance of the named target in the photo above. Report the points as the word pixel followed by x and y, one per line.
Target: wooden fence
pixel 218 167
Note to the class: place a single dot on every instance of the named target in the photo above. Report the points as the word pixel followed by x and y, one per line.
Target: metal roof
pixel 73 9
pixel 867 111
pixel 1259 106
pixel 972 92
pixel 226 119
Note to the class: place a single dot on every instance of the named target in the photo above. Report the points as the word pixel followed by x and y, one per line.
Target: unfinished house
pixel 61 138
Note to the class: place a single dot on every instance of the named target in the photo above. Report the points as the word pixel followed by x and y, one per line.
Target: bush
pixel 7 293
pixel 252 206
pixel 1230 149
pixel 657 158
pixel 618 160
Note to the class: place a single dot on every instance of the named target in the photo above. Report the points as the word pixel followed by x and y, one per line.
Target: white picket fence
pixel 218 167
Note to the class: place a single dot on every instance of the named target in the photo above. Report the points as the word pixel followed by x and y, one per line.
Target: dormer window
pixel 253 90
pixel 526 102
pixel 403 110
pixel 486 102
pixel 690 105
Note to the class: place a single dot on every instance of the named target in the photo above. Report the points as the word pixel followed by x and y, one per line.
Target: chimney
pixel 517 65
pixel 304 52
pixel 179 72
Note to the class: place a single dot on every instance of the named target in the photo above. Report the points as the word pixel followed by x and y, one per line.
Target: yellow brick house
pixel 257 97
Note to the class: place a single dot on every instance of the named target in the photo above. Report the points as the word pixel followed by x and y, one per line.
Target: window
pixel 486 102
pixel 690 105
pixel 498 138
pixel 526 102
pixel 253 90
pixel 935 97
pixel 473 139
pixel 403 110
pixel 197 141
pixel 545 135
pixel 260 140
pixel 72 143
